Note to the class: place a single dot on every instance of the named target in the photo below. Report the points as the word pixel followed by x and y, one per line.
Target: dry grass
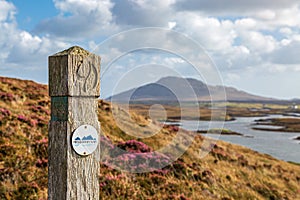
pixel 181 112
pixel 221 111
pixel 227 172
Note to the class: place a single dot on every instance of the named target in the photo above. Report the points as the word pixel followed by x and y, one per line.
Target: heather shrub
pixel 134 146
pixel 7 97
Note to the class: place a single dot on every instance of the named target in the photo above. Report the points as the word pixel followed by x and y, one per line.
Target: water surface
pixel 277 144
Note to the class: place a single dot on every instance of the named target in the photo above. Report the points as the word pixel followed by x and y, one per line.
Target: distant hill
pixel 228 172
pixel 189 89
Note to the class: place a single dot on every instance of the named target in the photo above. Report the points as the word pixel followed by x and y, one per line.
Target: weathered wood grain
pixel 74 85
pixel 74 72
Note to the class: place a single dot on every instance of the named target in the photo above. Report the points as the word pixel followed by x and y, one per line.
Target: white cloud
pixel 263 81
pixel 23 54
pixel 288 54
pixel 32 49
pixel 171 25
pixel 236 57
pixel 79 19
pixel 233 7
pixel 173 60
pixel 8 11
pixel 143 12
pixel 286 31
pixel 266 14
pixel 230 77
pixel 210 32
pixel 85 7
pixel 288 17
pixel 7 27
pixel 232 44
pixel 257 42
pixel 246 23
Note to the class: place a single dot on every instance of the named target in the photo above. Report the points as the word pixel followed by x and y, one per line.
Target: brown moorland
pixel 227 172
pixel 203 111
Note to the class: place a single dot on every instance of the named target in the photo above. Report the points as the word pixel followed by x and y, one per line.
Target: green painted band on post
pixel 60 113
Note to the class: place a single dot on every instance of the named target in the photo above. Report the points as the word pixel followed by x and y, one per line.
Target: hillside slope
pixel 228 172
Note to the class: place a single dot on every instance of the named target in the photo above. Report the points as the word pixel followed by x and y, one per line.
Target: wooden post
pixel 74 85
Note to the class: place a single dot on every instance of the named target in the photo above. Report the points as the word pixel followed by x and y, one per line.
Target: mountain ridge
pixel 186 89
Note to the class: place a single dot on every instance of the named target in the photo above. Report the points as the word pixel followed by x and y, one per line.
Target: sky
pixel 252 45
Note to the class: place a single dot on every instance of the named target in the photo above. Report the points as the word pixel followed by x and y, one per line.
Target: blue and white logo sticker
pixel 85 140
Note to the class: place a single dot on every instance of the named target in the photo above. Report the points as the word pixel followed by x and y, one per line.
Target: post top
pixel 75 50
pixel 74 72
